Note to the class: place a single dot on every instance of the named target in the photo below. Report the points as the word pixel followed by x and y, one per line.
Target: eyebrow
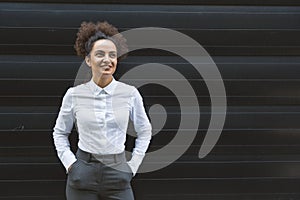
pixel 104 51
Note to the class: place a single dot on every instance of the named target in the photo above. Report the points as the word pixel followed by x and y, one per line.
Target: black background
pixel 255 46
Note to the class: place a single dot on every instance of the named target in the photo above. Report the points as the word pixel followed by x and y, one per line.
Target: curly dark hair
pixel 90 32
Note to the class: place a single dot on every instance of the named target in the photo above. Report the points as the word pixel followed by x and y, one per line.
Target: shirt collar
pixel 109 89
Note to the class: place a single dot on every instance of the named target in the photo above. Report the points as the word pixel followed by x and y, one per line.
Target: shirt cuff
pixel 68 159
pixel 135 162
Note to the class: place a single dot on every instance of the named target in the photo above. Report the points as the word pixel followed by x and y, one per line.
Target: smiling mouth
pixel 106 67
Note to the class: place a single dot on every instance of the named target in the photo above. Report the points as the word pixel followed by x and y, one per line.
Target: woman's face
pixel 103 58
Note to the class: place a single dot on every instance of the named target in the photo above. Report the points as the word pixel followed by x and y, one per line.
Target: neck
pixel 102 81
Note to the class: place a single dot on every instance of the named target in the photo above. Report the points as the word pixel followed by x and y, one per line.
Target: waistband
pixel 105 159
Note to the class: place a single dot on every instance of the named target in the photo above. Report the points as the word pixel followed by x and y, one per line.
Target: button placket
pixel 100 108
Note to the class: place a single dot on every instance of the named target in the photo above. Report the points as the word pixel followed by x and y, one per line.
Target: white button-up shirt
pixel 101 118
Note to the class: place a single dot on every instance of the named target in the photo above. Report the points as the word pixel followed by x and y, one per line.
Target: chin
pixel 107 74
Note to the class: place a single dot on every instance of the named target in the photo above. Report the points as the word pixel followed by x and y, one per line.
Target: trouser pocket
pixel 83 175
pixel 119 176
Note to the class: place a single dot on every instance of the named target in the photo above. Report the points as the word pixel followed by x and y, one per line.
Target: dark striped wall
pixel 256 47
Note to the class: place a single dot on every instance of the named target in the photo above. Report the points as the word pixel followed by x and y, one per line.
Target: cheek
pixel 115 63
pixel 97 60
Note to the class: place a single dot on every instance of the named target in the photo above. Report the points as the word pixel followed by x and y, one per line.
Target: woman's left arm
pixel 143 129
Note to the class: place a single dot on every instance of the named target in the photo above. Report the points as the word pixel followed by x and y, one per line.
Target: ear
pixel 88 60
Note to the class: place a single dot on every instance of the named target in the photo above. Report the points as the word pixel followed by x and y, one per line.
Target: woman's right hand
pixel 70 168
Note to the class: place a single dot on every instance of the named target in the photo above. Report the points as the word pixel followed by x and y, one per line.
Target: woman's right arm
pixel 62 130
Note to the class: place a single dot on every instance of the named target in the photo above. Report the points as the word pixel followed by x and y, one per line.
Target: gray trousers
pixel 91 179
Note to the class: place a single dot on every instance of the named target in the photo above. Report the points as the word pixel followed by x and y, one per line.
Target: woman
pixel 100 110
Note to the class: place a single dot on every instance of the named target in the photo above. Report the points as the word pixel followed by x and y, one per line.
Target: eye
pixel 99 54
pixel 113 55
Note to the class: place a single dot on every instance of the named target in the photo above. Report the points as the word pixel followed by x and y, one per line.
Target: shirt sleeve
pixel 143 129
pixel 62 130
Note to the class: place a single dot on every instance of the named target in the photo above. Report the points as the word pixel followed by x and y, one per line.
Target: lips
pixel 106 67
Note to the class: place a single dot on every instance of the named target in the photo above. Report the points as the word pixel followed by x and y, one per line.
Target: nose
pixel 106 59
